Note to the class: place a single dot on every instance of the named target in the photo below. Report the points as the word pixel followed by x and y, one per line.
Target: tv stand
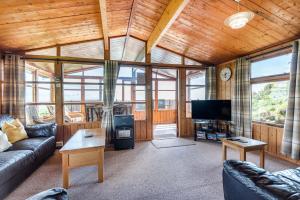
pixel 211 129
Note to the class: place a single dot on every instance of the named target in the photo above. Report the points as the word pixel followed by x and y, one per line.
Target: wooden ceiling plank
pixel 168 17
pixel 103 15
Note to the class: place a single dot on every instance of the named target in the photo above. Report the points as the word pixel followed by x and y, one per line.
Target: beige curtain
pixel 210 83
pixel 13 100
pixel 111 72
pixel 241 100
pixel 291 134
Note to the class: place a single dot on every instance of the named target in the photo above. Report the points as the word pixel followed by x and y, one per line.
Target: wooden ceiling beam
pixel 103 15
pixel 133 7
pixel 168 17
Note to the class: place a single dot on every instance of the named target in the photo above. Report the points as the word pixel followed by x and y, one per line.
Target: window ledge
pixel 269 124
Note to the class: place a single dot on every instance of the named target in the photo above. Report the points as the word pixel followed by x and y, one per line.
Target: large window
pixel 82 86
pixel 195 88
pixel 39 92
pixel 270 83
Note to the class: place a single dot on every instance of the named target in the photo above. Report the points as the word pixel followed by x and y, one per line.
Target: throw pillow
pixel 14 130
pixel 4 143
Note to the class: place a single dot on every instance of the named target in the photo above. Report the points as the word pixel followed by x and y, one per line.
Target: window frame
pixel 268 79
pixel 187 86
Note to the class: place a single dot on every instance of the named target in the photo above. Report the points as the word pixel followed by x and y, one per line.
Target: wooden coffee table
pixel 244 147
pixel 82 151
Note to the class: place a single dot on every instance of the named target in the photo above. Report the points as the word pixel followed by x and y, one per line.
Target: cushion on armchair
pixel 41 130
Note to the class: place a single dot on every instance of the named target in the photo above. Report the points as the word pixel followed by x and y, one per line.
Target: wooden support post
pixel 182 102
pixel 59 106
pixel 149 117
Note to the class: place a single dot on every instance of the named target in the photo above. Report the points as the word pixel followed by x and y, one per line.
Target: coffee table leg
pixel 224 152
pixel 262 158
pixel 100 165
pixel 65 170
pixel 242 155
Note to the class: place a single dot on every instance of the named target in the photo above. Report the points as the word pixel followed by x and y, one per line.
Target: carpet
pixel 145 173
pixel 172 142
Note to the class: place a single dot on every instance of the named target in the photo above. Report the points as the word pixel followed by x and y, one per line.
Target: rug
pixel 172 142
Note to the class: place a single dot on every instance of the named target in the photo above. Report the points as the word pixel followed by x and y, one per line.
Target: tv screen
pixel 211 110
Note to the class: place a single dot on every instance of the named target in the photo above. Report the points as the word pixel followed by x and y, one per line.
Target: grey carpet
pixel 172 142
pixel 145 173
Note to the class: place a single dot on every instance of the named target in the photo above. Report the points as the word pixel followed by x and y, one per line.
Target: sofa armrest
pixel 41 130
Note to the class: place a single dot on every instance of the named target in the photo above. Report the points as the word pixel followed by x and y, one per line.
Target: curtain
pixel 111 72
pixel 210 83
pixel 241 100
pixel 291 133
pixel 13 101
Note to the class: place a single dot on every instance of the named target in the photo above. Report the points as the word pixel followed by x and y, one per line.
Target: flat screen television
pixel 211 110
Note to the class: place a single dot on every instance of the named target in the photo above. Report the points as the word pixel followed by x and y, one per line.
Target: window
pixel 82 89
pixel 130 96
pixel 39 92
pixel 195 88
pixel 92 49
pixel 164 89
pixel 270 83
pixel 159 55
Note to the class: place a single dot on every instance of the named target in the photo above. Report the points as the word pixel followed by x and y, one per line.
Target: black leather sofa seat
pixel 40 146
pixel 246 181
pixel 20 160
pixel 12 161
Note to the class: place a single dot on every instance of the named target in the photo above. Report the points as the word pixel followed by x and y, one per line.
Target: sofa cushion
pixel 4 143
pixel 14 130
pixel 12 162
pixel 40 145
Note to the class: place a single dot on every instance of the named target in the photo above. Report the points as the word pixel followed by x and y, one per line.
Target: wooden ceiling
pixel 198 32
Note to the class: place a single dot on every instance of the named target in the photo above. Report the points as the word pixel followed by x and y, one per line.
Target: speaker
pixel 124 132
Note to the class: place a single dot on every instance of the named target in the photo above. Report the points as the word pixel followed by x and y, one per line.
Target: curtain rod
pixel 251 57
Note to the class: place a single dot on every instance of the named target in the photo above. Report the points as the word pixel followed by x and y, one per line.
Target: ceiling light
pixel 239 19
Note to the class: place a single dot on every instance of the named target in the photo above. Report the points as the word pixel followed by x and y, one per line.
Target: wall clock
pixel 225 74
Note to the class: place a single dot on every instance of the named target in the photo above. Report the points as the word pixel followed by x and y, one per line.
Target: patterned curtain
pixel 241 100
pixel 111 72
pixel 291 134
pixel 13 101
pixel 210 83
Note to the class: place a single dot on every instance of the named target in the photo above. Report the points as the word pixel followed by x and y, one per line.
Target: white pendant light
pixel 239 19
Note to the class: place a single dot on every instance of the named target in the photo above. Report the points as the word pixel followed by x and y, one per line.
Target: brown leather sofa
pixel 25 156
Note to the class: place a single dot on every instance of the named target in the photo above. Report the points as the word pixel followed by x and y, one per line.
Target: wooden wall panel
pixel 279 140
pixel 256 132
pixel 225 88
pixel 64 132
pixel 164 116
pixel 265 135
pixel 272 140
